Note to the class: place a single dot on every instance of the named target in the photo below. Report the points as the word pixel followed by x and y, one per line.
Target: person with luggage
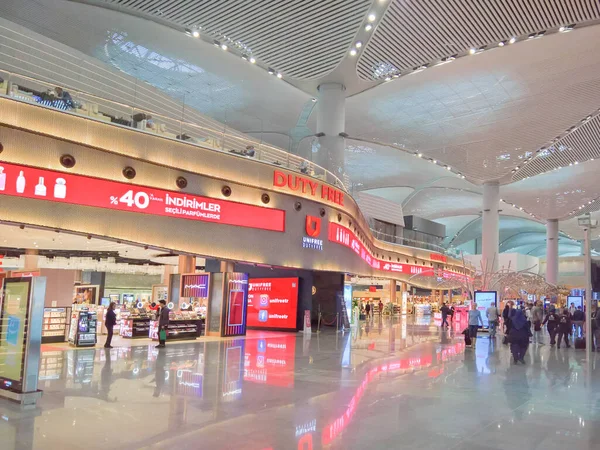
pixel 519 336
pixel 537 316
pixel 551 321
pixel 564 328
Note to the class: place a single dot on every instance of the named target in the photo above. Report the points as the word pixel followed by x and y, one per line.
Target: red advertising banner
pixel 273 303
pixel 41 184
pixel 344 236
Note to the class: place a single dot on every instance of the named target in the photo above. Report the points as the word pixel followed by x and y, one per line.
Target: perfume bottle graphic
pixel 60 188
pixel 2 179
pixel 40 189
pixel 20 183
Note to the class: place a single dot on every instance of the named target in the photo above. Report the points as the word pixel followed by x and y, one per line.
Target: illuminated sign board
pixel 273 303
pixel 194 286
pixel 307 185
pixel 41 184
pixel 484 300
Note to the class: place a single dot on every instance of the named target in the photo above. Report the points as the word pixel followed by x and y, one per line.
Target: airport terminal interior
pixel 299 224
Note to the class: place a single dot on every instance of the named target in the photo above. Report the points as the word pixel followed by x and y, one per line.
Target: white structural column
pixel 331 121
pixel 490 235
pixel 552 251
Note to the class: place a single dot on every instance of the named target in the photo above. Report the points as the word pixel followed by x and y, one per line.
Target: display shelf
pixel 179 329
pixel 135 328
pixel 55 324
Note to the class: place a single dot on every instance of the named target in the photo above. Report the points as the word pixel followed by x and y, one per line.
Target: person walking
pixel 492 315
pixel 163 322
pixel 380 307
pixel 474 322
pixel 368 310
pixel 578 318
pixel 564 327
pixel 551 321
pixel 506 319
pixel 519 336
pixel 596 328
pixel 110 322
pixel 445 311
pixel 537 316
pixel 451 313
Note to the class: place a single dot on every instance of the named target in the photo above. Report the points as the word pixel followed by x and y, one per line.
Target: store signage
pixel 273 303
pixel 313 230
pixel 87 191
pixel 344 236
pixel 438 257
pixel 306 185
pixel 194 286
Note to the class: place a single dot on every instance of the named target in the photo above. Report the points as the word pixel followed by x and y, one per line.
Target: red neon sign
pixel 41 184
pixel 307 186
pixel 344 236
pixel 438 257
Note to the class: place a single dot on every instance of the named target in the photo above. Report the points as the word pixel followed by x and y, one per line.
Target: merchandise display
pixel 182 325
pixel 423 310
pixel 83 328
pixel 56 322
pixel 135 323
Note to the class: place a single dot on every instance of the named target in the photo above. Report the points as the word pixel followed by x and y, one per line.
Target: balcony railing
pixel 208 134
pixel 414 243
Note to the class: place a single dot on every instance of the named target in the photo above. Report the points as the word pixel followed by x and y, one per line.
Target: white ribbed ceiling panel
pixel 418 32
pixel 302 39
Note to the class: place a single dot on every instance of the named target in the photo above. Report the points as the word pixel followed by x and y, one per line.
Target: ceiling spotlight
pixel 420 155
pixel 216 43
pixel 472 51
pixel 562 29
pixel 353 52
pixel 271 71
pixel 371 17
pixel 358 44
pixel 245 57
pixel 279 75
pixel 512 40
pixel 368 27
pixel 448 168
pixel 252 60
pixel 314 100
pixel 434 161
pixel 396 75
pixel 531 36
pixel 196 33
pixel 223 47
pixel 501 44
pixel 387 79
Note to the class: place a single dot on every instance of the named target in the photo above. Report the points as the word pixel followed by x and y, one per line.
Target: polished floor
pixel 390 384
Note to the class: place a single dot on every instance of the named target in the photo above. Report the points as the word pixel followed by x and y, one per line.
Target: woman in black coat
pixel 110 322
pixel 518 335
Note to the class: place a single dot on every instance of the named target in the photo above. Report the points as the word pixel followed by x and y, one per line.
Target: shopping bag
pixel 162 335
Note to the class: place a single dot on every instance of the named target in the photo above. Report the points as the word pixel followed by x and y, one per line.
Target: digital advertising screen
pixel 484 300
pixel 273 303
pixel 15 305
pixel 577 300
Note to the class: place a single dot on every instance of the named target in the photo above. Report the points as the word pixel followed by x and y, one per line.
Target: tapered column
pixel 393 291
pixel 491 223
pixel 331 121
pixel 552 251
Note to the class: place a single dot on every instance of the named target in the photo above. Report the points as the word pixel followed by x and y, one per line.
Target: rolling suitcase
pixel 580 343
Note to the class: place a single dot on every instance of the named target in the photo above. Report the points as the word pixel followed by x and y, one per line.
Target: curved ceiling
pixel 419 32
pixel 302 39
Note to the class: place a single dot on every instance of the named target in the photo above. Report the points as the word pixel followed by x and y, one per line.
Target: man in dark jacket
pixel 578 318
pixel 445 311
pixel 564 327
pixel 551 321
pixel 110 321
pixel 163 321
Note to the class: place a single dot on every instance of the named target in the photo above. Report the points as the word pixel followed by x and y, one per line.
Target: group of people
pixel 524 325
pixel 162 317
pixel 367 309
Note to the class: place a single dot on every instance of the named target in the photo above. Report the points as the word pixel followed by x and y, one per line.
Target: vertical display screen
pixel 15 306
pixel 234 313
pixel 273 303
pixel 236 308
pixel 484 300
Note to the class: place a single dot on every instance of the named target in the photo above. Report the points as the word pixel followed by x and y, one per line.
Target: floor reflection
pixel 386 384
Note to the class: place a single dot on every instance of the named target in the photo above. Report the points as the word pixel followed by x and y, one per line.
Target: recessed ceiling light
pixel 223 47
pixel 245 57
pixel 314 100
pixel 368 27
pixel 562 29
pixel 512 40
pixel 216 43
pixel 420 155
pixel 196 33
pixel 448 168
pixel 387 78
pixel 434 161
pixel 501 44
pixel 472 51
pixel 279 75
pixel 252 60
pixel 358 44
pixel 353 52
pixel 371 17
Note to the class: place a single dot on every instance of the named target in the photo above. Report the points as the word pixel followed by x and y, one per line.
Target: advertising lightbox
pixel 577 300
pixel 273 303
pixel 484 300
